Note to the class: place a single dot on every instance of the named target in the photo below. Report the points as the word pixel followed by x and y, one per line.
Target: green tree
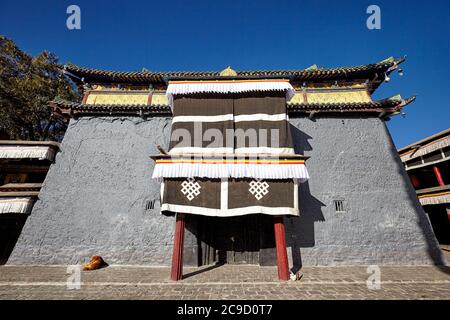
pixel 27 84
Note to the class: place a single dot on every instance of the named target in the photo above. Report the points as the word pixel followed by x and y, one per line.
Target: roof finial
pixel 228 72
pixel 313 67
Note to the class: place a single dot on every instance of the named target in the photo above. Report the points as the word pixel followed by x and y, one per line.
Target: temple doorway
pixel 247 239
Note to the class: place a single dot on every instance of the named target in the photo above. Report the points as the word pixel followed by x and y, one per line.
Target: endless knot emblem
pixel 190 188
pixel 259 188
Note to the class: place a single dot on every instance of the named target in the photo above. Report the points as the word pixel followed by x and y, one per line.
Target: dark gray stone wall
pixel 93 201
pixel 94 197
pixel 354 160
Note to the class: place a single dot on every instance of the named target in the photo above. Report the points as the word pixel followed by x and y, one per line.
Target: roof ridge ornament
pixel 313 67
pixel 228 72
pixel 389 60
pixel 396 97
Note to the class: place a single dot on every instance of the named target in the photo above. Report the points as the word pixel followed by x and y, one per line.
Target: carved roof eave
pixel 382 108
pixel 418 144
pixel 20 187
pixel 20 190
pixel 374 73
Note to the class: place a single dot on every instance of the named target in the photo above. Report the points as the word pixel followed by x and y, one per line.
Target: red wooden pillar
pixel 415 181
pixel 280 242
pixel 177 257
pixel 437 173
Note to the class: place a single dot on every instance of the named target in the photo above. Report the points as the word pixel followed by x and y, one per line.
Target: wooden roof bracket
pixel 382 114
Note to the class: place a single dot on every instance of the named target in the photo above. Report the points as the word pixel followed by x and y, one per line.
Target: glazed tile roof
pixel 368 71
pixel 386 106
pixel 72 108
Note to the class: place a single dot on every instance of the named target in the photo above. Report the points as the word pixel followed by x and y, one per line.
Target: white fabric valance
pixel 233 170
pixel 227 86
pixel 440 198
pixel 24 152
pixel 16 205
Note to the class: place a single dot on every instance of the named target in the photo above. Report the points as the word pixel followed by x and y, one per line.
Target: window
pixel 150 205
pixel 339 206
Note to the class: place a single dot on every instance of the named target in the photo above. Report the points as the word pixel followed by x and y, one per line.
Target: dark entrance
pixel 439 221
pixel 245 239
pixel 11 225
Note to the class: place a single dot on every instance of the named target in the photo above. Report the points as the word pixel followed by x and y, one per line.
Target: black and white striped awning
pixel 231 151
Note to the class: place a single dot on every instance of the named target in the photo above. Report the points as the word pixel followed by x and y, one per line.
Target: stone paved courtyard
pixel 224 282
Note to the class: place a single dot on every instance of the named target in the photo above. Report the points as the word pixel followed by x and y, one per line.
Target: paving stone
pixel 226 282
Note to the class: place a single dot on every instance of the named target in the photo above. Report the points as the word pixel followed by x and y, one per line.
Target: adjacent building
pixel 23 167
pixel 427 163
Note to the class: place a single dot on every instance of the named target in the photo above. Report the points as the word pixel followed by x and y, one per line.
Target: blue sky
pixel 210 35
